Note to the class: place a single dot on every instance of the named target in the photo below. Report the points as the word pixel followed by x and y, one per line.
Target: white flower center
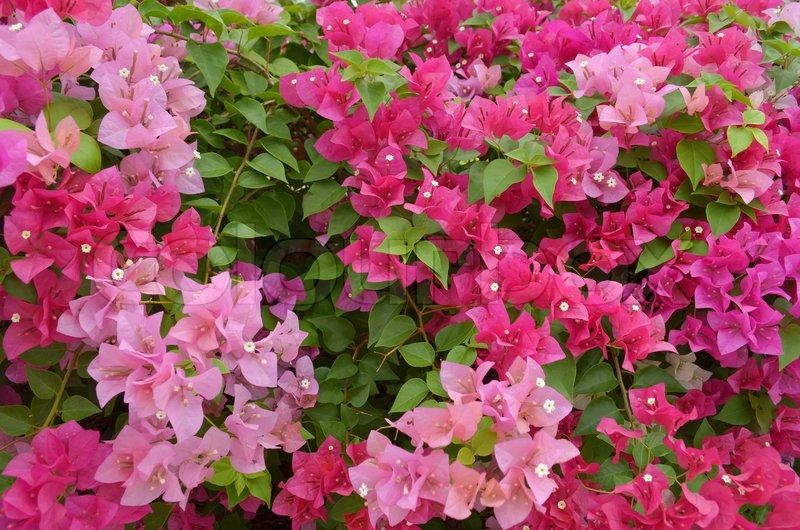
pixel 190 171
pixel 363 490
pixel 435 183
pixel 249 346
pixel 26 234
pixel 635 307
pixel 494 287
pixel 427 194
pixel 124 73
pixel 389 158
pixel 305 383
pixel 698 229
pixel 651 401
pixel 498 250
pixel 549 406
pixel 196 154
pixel 647 477
pixel 117 274
pixel 15 318
pixel 346 22
pixel 541 470
pixel 561 505
pixel 611 182
pixel 726 479
pixel 15 27
pixel 584 64
pixel 162 67
pixel 161 414
pixel 639 81
pixel 154 79
pixel 564 306
pixel 540 382
pixel 86 248
pixel 598 177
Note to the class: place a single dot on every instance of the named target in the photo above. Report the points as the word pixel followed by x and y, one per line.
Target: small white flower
pixel 161 414
pixel 389 158
pixel 561 505
pixel 726 479
pixel 249 346
pixel 639 81
pixel 538 79
pixel 162 67
pixel 530 55
pixel 498 250
pixel 611 182
pixel 549 406
pixel 598 177
pixel 435 183
pixel 293 81
pixel 434 41
pixel 154 79
pixel 564 306
pixel 698 229
pixel 498 9
pixel 651 401
pixel 196 154
pixel 720 34
pixel 190 171
pixel 584 64
pixel 15 27
pixel 540 382
pixel 312 78
pixel 305 383
pixel 26 234
pixel 635 307
pixel 117 274
pixel 426 194
pixel 494 287
pixel 124 73
pixel 542 470
pixel 647 477
pixel 429 49
pixel 346 21
pixel 86 248
pixel 328 27
pixel 363 490
pixel 15 318
pixel 462 28
pixel 128 262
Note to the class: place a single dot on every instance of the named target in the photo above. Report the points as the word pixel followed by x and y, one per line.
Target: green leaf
pixel 760 137
pixel 224 473
pixel 372 94
pixel 87 156
pixel 342 368
pixel 655 253
pixel 211 60
pixel 418 354
pixel 260 486
pixel 485 438
pixel 337 332
pixel 434 382
pixel 753 117
pixel 269 166
pixel 703 431
pixel 692 155
pixel 598 378
pixel 220 256
pixel 326 267
pixel 498 176
pixel 62 106
pixel 790 340
pixel 321 170
pixel 282 153
pixel 652 375
pixel 270 30
pixel 599 408
pixel 212 165
pixel 397 331
pixel 611 475
pixel 544 180
pixel 322 195
pixel 454 334
pixel 560 375
pixel 462 355
pixel 15 420
pixel 739 138
pixel 253 112
pixel 410 395
pixel 10 125
pixel 466 456
pixel 43 383
pixel 77 408
pixel 722 217
pixel 157 519
pixel 342 219
pixel 434 258
pixel 736 411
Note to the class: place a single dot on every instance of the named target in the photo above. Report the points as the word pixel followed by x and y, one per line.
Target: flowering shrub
pixel 440 264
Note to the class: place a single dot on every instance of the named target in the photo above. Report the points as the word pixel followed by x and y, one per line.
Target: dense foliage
pixel 437 264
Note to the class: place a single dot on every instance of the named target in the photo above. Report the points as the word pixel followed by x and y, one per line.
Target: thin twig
pixel 73 363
